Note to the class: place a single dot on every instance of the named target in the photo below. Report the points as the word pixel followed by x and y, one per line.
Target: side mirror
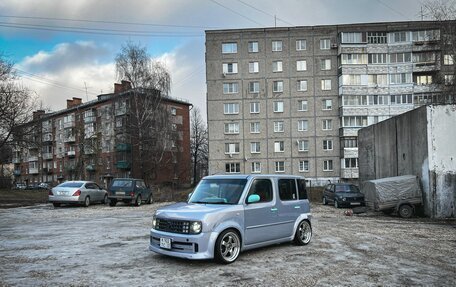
pixel 253 198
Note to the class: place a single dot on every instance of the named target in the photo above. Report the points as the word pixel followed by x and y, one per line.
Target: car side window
pixel 287 189
pixel 333 188
pixel 89 186
pixel 263 188
pixel 140 184
pixel 302 189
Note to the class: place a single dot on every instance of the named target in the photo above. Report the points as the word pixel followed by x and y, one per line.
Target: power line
pixel 236 12
pixel 264 12
pixel 394 10
pixel 108 22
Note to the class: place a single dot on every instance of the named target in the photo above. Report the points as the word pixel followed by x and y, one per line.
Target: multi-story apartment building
pixel 292 99
pixel 92 141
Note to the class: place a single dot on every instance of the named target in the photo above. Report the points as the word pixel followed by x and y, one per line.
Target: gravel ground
pixel 103 246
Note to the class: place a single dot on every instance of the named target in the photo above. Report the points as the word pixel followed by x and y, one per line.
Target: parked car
pixel 227 214
pixel 21 186
pixel 343 194
pixel 44 185
pixel 129 190
pixel 77 192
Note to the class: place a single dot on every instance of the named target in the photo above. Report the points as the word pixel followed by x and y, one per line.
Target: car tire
pixel 105 200
pixel 303 233
pixel 138 200
pixel 86 201
pixel 149 199
pixel 405 211
pixel 227 246
pixel 112 202
pixel 325 202
pixel 336 204
pixel 56 204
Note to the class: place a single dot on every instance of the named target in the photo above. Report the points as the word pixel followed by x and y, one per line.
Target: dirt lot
pixel 103 246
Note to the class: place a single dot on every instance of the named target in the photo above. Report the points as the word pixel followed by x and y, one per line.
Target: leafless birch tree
pixel 198 145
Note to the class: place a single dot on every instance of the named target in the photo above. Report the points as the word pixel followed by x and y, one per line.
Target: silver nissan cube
pixel 227 214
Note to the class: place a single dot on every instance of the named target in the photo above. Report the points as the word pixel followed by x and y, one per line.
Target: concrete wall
pixel 419 142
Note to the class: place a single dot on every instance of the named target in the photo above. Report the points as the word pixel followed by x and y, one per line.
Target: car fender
pixel 300 218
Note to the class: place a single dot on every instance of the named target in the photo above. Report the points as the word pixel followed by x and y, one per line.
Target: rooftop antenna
pixel 421 13
pixel 87 96
pixel 275 21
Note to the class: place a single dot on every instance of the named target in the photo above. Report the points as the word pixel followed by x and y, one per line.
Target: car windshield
pixel 218 191
pixel 347 188
pixel 71 184
pixel 122 183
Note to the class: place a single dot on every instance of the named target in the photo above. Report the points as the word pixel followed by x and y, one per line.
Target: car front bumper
pixel 190 246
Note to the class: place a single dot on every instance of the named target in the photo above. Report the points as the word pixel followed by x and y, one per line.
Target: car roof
pixel 248 176
pixel 127 178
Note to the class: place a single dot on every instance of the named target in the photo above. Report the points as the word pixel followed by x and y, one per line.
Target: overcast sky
pixel 63 48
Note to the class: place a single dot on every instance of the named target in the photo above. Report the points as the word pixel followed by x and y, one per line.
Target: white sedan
pixel 77 192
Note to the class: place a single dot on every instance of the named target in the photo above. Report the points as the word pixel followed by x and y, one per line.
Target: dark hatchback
pixel 129 190
pixel 343 194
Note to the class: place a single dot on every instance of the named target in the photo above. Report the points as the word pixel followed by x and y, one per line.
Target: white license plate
pixel 355 203
pixel 165 243
pixel 61 193
pixel 120 193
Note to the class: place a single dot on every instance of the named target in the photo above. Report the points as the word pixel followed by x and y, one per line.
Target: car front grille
pixel 174 226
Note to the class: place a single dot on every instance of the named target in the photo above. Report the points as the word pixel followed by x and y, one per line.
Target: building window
pixel 354 59
pixel 377 79
pixel 400 58
pixel 278 107
pixel 303 165
pixel 424 57
pixel 255 127
pixel 376 37
pixel 232 128
pixel 279 166
pixel 351 163
pixel 301 65
pixel 301 45
pixel 229 48
pixel 279 146
pixel 303 125
pixel 354 100
pixel 327 105
pixel 302 85
pixel 353 80
pixel 398 37
pixel 230 68
pixel 303 145
pixel 328 165
pixel 231 148
pixel 325 85
pixel 277 86
pixel 278 127
pixel 255 147
pixel 449 80
pixel 378 100
pixel 401 78
pixel 254 87
pixel 256 167
pixel 276 46
pixel 254 108
pixel 325 64
pixel 423 80
pixel 327 125
pixel 354 121
pixel 302 105
pixel 277 66
pixel 448 60
pixel 233 167
pixel 426 35
pixel 327 144
pixel 230 88
pixel 230 108
pixel 351 38
pixel 401 99
pixel 174 127
pixel 325 44
pixel 254 67
pixel 253 47
pixel 377 58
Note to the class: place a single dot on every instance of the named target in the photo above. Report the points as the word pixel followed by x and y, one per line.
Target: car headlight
pixel 344 199
pixel 195 227
pixel 154 222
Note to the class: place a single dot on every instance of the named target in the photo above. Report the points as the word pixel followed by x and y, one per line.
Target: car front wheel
pixel 105 199
pixel 325 202
pixel 112 202
pixel 303 233
pixel 336 204
pixel 227 246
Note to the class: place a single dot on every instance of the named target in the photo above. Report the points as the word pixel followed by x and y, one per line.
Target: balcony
pixel 123 147
pixel 349 173
pixel 69 139
pixel 33 158
pixel 48 155
pixel 123 164
pixel 71 153
pixel 69 124
pixel 47 138
pixel 33 170
pixel 17 172
pixel 90 167
pixel 350 152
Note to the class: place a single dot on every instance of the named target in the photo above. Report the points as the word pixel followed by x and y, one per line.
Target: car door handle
pixel 273 209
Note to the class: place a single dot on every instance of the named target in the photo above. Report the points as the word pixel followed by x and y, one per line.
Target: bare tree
pixel 444 12
pixel 16 105
pixel 198 145
pixel 149 126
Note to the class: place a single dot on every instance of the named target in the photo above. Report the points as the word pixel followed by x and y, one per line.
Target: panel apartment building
pixel 291 100
pixel 90 141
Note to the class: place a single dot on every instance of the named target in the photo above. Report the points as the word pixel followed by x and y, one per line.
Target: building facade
pixel 291 100
pixel 91 141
